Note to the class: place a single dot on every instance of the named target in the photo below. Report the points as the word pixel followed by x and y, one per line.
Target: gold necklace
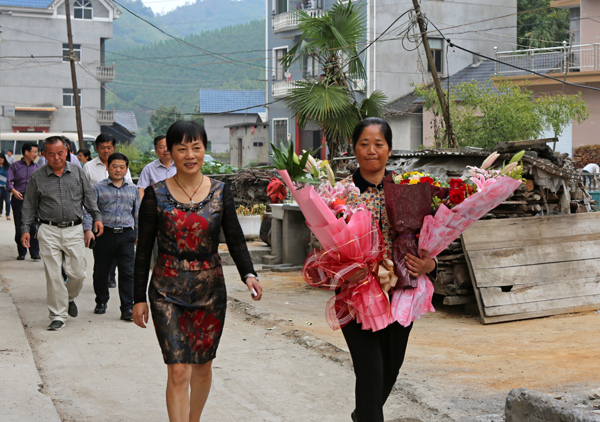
pixel 188 195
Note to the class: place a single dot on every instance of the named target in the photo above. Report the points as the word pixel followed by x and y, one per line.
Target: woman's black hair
pixel 385 128
pixel 185 131
pixel 5 165
pixel 86 153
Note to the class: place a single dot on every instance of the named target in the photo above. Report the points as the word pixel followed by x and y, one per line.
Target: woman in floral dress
pixel 187 291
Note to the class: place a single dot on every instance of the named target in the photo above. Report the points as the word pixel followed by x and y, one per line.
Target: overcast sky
pixel 163 6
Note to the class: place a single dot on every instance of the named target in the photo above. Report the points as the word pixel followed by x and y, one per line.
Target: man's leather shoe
pixel 36 257
pixel 100 308
pixel 55 325
pixel 73 311
pixel 112 283
pixel 127 315
pixel 21 258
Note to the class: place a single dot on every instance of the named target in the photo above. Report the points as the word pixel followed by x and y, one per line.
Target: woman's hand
pixel 252 283
pixel 418 266
pixel 140 314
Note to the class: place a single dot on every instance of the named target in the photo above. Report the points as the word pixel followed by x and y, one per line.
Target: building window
pixel 82 9
pixel 69 98
pixel 281 6
pixel 310 66
pixel 437 51
pixel 279 69
pixel 76 51
pixel 280 131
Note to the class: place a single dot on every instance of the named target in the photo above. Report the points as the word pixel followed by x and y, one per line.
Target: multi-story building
pixel 576 62
pixel 36 92
pixel 392 63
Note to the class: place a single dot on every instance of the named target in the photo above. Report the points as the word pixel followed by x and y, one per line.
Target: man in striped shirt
pixel 56 194
pixel 119 201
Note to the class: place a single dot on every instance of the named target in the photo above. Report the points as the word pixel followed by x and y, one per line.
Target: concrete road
pixel 99 368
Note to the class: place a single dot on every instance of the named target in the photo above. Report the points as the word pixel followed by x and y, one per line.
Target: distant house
pixel 249 144
pixel 224 108
pixel 125 127
pixel 392 63
pixel 578 63
pixel 36 92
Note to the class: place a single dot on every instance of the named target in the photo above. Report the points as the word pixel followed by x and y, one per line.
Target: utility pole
pixel 74 76
pixel 436 80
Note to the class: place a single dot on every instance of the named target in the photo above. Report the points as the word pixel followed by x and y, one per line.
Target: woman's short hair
pixel 185 131
pixel 385 128
pixel 86 153
pixel 118 156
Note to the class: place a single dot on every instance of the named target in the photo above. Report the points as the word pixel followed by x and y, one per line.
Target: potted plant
pixel 250 219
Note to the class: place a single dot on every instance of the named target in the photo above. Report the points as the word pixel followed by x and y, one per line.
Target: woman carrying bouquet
pixel 185 213
pixel 376 355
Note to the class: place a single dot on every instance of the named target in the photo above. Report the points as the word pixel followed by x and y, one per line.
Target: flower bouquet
pixel 456 208
pixel 351 242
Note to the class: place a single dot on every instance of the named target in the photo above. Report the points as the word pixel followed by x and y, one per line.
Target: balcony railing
pixel 105 116
pixel 289 20
pixel 574 58
pixel 359 85
pixel 282 88
pixel 32 122
pixel 105 73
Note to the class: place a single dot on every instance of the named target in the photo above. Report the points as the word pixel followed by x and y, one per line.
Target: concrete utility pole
pixel 74 76
pixel 436 80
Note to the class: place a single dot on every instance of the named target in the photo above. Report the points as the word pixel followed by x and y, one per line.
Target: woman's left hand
pixel 252 283
pixel 418 266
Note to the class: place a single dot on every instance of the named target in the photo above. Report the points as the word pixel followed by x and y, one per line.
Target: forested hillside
pixel 171 73
pixel 194 18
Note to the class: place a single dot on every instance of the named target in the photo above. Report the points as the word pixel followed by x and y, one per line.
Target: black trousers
pixel 377 358
pixel 34 246
pixel 120 247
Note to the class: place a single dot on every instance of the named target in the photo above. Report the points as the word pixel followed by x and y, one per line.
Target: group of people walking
pixel 174 215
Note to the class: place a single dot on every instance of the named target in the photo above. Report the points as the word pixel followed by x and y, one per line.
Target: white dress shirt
pixel 96 171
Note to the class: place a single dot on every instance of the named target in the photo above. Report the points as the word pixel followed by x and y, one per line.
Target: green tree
pixel 539 25
pixel 483 115
pixel 161 119
pixel 332 39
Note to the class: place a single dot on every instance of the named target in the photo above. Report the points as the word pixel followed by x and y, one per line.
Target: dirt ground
pixel 455 363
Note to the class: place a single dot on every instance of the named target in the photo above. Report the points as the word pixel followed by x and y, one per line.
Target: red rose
pixel 456 183
pixel 457 196
pixel 404 182
pixel 426 179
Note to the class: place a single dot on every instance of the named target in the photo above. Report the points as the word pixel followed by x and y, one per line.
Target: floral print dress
pixel 187 293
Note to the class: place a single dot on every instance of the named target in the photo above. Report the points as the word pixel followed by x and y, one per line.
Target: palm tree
pixel 332 41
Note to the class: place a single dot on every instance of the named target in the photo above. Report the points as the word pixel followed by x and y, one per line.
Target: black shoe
pixel 100 308
pixel 36 257
pixel 73 311
pixel 127 315
pixel 55 325
pixel 353 415
pixel 112 283
pixel 21 258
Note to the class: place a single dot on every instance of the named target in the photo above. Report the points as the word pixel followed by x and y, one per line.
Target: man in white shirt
pixel 10 157
pixel 96 170
pixel 591 180
pixel 158 170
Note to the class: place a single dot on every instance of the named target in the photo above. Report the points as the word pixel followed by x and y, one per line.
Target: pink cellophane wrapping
pixel 347 247
pixel 437 233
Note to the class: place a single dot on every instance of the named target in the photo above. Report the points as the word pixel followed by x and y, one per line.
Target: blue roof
pixel 222 101
pixel 38 4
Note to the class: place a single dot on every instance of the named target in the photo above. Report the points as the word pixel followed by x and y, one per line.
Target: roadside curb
pixel 21 386
pixel 528 405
